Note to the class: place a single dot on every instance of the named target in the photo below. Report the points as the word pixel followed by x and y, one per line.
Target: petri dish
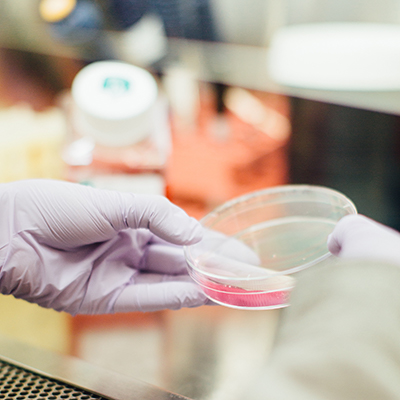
pixel 254 245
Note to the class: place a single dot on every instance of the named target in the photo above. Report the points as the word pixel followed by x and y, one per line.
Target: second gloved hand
pixel 359 237
pixel 88 251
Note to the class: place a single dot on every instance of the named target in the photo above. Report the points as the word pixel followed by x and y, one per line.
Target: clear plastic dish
pixel 255 244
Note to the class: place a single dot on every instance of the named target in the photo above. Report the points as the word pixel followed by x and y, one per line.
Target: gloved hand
pixel 359 237
pixel 89 251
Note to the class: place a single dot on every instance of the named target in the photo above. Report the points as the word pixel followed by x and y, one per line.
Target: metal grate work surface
pixel 17 384
pixel 28 373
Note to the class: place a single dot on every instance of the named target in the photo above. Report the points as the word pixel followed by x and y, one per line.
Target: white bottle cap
pixel 114 102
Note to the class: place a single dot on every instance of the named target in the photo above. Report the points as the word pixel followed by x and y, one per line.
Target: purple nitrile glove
pixel 359 237
pixel 82 250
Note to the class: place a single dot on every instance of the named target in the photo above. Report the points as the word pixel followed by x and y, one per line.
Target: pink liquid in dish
pixel 238 297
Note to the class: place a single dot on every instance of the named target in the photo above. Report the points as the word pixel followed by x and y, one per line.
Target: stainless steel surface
pixel 22 366
pixel 215 352
pixel 206 353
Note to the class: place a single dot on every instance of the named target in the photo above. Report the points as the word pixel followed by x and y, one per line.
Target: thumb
pixel 350 235
pixel 334 243
pixel 357 236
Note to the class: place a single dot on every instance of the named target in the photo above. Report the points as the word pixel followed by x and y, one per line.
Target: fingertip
pixel 196 232
pixel 349 223
pixel 333 246
pixel 185 230
pixel 164 219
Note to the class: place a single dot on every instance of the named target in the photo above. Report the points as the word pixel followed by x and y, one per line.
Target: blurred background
pixel 250 94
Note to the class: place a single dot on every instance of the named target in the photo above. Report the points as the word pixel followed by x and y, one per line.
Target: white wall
pixel 242 21
pixel 303 11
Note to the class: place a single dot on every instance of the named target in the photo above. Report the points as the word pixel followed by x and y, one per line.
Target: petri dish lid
pixel 276 231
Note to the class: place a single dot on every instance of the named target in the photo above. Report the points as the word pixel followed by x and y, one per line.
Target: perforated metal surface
pixel 17 384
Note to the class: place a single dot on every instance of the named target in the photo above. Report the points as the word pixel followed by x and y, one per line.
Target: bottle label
pixel 116 86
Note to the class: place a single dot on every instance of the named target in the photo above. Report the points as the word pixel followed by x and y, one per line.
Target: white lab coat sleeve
pixel 340 338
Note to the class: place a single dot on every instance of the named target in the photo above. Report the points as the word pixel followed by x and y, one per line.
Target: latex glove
pixel 83 250
pixel 359 237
